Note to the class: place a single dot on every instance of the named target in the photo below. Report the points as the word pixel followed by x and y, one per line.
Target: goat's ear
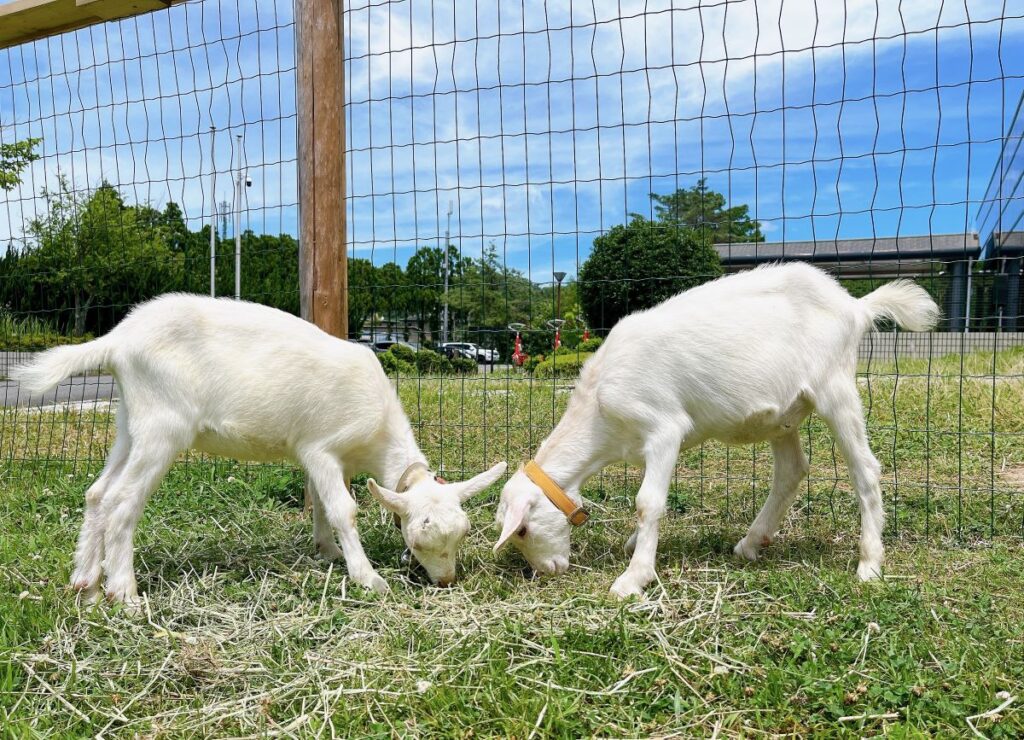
pixel 394 502
pixel 478 484
pixel 515 517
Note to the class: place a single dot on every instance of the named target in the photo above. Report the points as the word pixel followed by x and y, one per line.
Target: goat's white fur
pixel 247 381
pixel 741 359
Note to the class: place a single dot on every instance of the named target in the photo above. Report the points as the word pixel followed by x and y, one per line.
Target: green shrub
pixel 403 353
pixel 562 366
pixel 394 366
pixel 429 362
pixel 532 361
pixel 590 345
pixel 464 365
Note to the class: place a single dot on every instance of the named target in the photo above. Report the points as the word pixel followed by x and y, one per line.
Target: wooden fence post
pixel 320 94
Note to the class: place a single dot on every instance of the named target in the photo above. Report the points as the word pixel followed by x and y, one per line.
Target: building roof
pixel 873 256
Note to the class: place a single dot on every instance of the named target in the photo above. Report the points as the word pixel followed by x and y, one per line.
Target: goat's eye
pixel 521 532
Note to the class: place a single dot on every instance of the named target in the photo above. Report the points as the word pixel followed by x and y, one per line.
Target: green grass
pixel 247 634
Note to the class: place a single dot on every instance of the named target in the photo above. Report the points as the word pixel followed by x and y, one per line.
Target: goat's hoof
pixel 623 591
pixel 630 545
pixel 89 594
pixel 627 585
pixel 869 572
pixel 130 602
pixel 746 550
pixel 88 588
pixel 329 551
pixel 374 583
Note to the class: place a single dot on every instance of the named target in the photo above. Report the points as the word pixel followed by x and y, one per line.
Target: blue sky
pixel 542 125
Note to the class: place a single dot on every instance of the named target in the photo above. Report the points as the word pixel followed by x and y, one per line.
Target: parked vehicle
pixel 470 350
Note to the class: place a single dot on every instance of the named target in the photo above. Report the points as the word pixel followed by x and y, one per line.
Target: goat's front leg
pixel 660 459
pixel 340 512
pixel 323 535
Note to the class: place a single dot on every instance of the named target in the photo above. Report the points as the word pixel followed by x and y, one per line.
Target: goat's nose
pixel 446 581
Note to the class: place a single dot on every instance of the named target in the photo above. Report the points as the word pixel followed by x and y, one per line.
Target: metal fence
pixel 491 150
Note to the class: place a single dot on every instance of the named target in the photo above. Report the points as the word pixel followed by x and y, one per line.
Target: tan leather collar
pixel 576 515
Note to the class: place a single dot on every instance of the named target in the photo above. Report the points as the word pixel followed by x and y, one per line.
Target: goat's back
pixel 247 371
pixel 730 348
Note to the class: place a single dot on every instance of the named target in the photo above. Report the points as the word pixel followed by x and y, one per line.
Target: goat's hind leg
pixel 790 467
pixel 843 412
pixel 88 570
pixel 151 454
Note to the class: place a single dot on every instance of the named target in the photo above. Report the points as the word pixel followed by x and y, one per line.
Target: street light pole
pixel 444 257
pixel 238 223
pixel 213 214
pixel 559 277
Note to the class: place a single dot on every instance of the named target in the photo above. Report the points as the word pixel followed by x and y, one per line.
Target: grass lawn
pixel 246 633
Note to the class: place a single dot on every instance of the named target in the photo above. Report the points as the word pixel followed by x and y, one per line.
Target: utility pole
pixel 213 213
pixel 238 223
pixel 447 242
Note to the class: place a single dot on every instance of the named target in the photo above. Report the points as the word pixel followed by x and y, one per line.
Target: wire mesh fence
pixel 522 175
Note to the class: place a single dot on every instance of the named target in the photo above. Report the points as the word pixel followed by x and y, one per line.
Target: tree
pixel 90 247
pixel 638 265
pixel 703 210
pixel 425 283
pixel 490 294
pixel 14 158
pixel 361 285
pixel 390 296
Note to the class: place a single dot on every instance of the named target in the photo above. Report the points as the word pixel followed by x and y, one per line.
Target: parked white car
pixel 472 351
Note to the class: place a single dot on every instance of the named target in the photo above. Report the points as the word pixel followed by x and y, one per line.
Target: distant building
pixel 1000 223
pixel 940 262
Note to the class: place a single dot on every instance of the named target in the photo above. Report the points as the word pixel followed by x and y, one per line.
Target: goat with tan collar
pixel 742 359
pixel 250 382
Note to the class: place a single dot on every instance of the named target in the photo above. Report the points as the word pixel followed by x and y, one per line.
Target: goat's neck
pixel 576 450
pixel 398 452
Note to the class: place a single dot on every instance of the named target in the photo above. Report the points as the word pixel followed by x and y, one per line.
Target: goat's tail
pixel 905 302
pixel 53 365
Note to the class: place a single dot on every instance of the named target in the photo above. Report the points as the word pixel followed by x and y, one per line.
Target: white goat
pixel 741 359
pixel 251 382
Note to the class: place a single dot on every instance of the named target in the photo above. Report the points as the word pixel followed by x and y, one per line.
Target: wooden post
pixel 320 93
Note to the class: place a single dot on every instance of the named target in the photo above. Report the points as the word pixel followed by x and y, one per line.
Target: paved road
pixel 92 389
pixel 72 393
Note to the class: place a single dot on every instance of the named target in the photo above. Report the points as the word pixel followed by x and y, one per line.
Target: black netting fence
pixel 520 176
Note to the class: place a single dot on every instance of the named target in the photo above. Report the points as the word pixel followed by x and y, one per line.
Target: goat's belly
pixel 240 447
pixel 767 423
